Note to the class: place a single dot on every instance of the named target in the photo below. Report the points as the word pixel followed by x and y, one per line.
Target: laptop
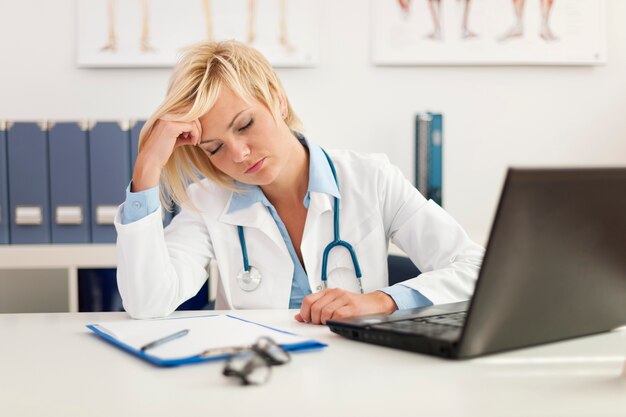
pixel 554 269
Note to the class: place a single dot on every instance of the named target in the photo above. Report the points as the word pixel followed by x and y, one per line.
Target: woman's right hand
pixel 157 148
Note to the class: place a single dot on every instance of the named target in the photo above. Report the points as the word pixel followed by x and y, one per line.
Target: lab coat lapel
pixel 255 216
pixel 318 232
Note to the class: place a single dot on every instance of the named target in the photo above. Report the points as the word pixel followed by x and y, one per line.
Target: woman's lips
pixel 256 167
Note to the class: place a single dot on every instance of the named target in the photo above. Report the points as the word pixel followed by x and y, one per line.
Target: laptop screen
pixel 555 265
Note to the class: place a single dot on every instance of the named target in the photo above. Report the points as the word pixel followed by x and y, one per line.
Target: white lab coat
pixel 158 270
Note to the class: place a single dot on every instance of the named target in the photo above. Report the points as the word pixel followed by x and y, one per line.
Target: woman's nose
pixel 240 151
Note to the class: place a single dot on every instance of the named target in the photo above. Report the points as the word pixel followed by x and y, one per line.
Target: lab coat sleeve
pixel 158 270
pixel 435 242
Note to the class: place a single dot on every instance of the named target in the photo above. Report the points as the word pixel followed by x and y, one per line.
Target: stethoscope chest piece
pixel 249 280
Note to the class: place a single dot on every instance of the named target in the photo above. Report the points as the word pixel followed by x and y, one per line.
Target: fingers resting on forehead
pixel 187 133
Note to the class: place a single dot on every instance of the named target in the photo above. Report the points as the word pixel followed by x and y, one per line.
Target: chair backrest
pixel 400 269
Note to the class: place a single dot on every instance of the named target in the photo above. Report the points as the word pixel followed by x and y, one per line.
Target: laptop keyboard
pixel 428 326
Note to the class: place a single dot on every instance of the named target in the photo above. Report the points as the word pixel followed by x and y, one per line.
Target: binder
pixel 4 187
pixel 109 167
pixel 29 197
pixel 135 130
pixel 435 170
pixel 209 338
pixel 69 182
pixel 428 155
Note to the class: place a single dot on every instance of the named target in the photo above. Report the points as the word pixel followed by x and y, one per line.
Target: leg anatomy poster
pixel 488 32
pixel 145 33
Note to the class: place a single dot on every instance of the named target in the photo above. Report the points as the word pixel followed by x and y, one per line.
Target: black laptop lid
pixel 555 266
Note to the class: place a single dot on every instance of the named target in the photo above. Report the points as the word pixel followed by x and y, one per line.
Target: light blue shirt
pixel 138 205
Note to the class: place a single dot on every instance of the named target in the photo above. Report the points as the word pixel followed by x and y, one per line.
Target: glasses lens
pixel 249 366
pixel 272 351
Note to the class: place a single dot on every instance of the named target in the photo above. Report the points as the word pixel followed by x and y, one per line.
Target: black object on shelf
pixel 97 291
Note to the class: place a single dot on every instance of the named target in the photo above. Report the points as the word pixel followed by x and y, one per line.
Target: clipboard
pixel 210 338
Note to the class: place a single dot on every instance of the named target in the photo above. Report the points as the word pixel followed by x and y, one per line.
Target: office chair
pixel 400 268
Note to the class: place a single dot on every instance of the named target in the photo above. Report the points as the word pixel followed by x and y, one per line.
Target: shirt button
pixel 136 204
pixel 318 288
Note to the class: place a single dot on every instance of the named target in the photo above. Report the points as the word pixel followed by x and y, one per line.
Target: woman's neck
pixel 292 184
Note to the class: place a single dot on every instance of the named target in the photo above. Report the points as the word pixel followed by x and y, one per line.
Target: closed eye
pixel 241 129
pixel 215 150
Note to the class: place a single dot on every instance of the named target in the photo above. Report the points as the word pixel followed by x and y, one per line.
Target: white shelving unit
pixel 68 257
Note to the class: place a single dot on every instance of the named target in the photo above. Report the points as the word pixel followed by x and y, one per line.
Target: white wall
pixel 494 116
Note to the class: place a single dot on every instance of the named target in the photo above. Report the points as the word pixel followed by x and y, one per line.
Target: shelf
pixel 78 255
pixel 58 256
pixel 68 257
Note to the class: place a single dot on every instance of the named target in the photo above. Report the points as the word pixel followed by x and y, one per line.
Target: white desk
pixel 51 365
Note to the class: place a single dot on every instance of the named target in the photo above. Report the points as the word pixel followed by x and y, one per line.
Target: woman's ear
pixel 282 106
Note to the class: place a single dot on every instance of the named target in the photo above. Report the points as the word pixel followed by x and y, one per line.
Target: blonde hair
pixel 193 89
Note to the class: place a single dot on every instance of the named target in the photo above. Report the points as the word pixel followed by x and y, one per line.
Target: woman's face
pixel 243 140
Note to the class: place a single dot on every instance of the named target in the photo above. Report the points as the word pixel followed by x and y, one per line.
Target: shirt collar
pixel 321 180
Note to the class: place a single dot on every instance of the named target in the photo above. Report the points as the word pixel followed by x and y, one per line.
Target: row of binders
pixel 428 155
pixel 61 182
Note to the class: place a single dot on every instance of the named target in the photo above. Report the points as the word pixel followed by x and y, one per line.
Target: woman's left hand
pixel 335 303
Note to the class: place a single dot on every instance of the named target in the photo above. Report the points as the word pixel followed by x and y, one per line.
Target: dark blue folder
pixel 29 196
pixel 435 173
pixel 428 155
pixel 4 187
pixel 109 160
pixel 69 183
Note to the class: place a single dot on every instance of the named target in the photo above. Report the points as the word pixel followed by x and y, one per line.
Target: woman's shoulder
pixel 207 195
pixel 353 159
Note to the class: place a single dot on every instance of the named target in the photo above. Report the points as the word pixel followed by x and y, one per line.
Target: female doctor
pixel 290 224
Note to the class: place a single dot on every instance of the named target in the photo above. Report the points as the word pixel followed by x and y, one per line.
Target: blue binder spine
pixel 69 182
pixel 109 161
pixel 422 135
pixel 435 171
pixel 29 194
pixel 428 155
pixel 4 186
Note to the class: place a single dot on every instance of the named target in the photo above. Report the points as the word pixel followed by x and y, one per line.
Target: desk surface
pixel 50 364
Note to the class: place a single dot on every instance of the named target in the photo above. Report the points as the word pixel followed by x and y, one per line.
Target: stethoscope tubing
pixel 244 250
pixel 335 243
pixel 337 238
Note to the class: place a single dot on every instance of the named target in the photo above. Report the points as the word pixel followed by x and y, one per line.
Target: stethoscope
pixel 249 278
